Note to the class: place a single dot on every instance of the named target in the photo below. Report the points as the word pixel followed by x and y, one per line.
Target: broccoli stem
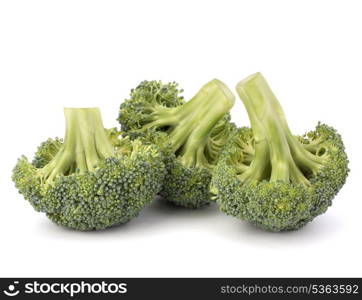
pixel 196 119
pixel 85 143
pixel 188 126
pixel 289 161
pixel 216 142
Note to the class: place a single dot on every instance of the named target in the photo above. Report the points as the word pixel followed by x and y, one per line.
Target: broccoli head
pixel 190 133
pixel 92 179
pixel 272 178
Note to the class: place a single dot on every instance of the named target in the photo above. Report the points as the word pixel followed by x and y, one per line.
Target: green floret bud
pixel 192 134
pixel 271 178
pixel 146 103
pixel 92 180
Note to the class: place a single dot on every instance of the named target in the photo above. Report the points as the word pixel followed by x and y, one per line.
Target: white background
pixel 90 53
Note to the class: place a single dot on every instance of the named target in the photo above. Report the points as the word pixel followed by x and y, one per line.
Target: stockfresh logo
pixel 12 290
pixel 66 288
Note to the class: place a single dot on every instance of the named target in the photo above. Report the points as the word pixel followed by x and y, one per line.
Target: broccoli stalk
pixel 279 156
pixel 85 144
pixel 191 134
pixel 188 126
pixel 92 180
pixel 271 178
pixel 197 118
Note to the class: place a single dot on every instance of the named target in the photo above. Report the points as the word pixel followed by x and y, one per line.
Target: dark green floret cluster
pixel 191 134
pixel 93 179
pixel 272 178
pixel 146 104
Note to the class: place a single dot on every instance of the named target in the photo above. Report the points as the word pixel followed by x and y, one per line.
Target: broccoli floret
pixel 190 133
pixel 93 179
pixel 146 102
pixel 271 178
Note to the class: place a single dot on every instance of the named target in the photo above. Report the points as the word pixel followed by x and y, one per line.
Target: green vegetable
pixel 191 133
pixel 272 178
pixel 93 179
